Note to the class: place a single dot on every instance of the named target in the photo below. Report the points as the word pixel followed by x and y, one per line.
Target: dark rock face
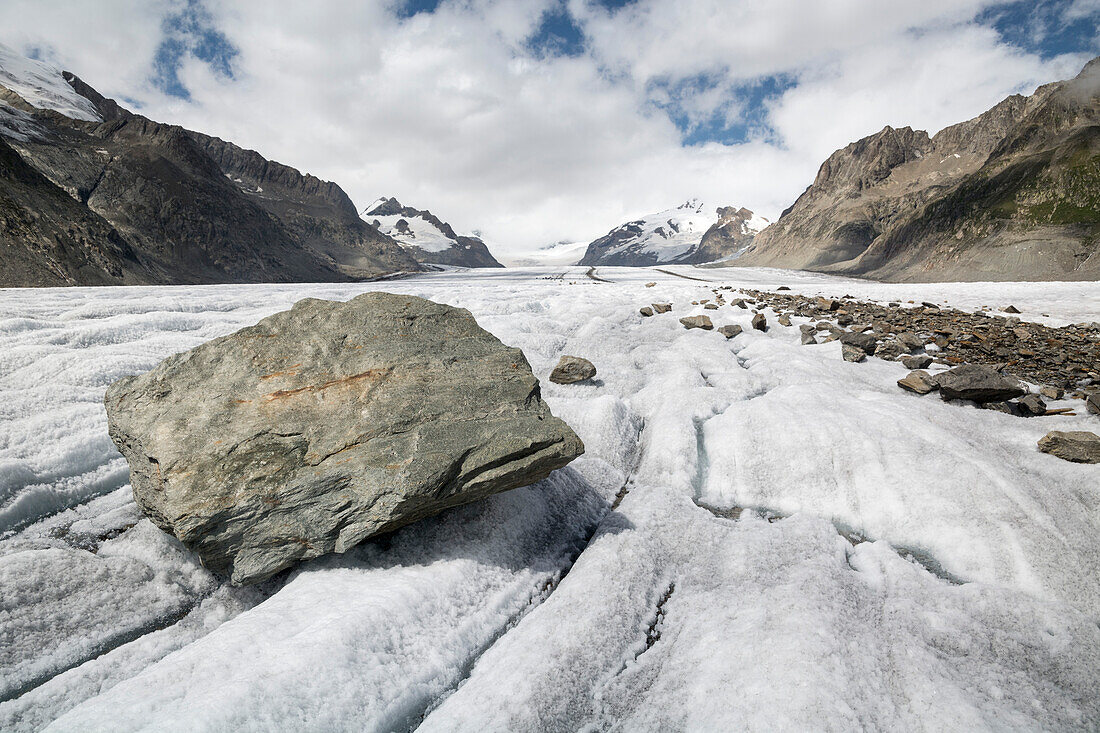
pixel 1077 446
pixel 318 213
pixel 572 369
pixel 760 322
pixel 1013 194
pixel 151 203
pixel 977 382
pixel 327 424
pixel 464 252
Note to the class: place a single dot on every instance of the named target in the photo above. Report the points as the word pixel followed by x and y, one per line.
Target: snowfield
pixel 760 536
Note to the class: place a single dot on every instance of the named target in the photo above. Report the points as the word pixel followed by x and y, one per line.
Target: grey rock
pixel 910 340
pixel 1009 408
pixel 702 322
pixel 977 382
pixel 327 424
pixel 890 349
pixel 1077 446
pixel 827 304
pixel 759 322
pixel 662 307
pixel 646 311
pixel 1032 405
pixel 730 331
pixel 852 353
pixel 1010 309
pixel 1092 403
pixel 808 338
pixel 918 381
pixel 863 341
pixel 1052 393
pixel 710 307
pixel 740 303
pixel 922 361
pixel 572 369
pixel 784 319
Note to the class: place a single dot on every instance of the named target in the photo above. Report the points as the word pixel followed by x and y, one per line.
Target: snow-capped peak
pixel 43 86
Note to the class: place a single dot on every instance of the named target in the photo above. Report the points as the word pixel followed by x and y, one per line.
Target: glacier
pixel 760 536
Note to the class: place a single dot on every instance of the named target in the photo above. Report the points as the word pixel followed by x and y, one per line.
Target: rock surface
pixel 1009 195
pixel 1077 446
pixel 730 331
pixel 702 322
pixel 977 382
pixel 327 424
pixel 759 322
pixel 572 369
pixel 918 381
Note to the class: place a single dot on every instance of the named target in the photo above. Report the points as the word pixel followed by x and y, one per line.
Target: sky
pixel 538 121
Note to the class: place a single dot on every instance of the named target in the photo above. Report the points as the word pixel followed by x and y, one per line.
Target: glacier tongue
pixel 760 536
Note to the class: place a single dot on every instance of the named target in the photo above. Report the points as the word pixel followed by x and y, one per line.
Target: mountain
pixel 425 237
pixel 92 194
pixel 1013 194
pixel 675 236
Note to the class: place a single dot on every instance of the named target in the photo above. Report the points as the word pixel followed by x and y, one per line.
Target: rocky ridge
pixel 1012 194
pixel 155 203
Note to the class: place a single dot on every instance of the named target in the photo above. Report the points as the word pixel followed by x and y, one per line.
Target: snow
pixel 669 234
pixel 421 233
pixel 43 86
pixel 759 536
pixel 561 253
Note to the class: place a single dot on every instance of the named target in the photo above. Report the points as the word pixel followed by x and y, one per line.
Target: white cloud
pixel 449 111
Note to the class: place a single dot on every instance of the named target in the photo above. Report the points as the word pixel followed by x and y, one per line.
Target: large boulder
pixel 977 382
pixel 327 424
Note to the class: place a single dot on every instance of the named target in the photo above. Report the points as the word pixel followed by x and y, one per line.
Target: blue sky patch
pixel 190 32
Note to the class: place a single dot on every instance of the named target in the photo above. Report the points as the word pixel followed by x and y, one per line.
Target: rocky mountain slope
pixel 688 234
pixel 1013 194
pixel 93 194
pixel 425 237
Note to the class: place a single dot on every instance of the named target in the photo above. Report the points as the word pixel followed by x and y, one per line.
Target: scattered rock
pixel 910 340
pixel 739 303
pixel 702 322
pixel 784 319
pixel 977 382
pixel 649 285
pixel 922 361
pixel 852 353
pixel 890 349
pixel 1077 446
pixel 729 331
pixel 1052 393
pixel 1032 405
pixel 1010 309
pixel 662 307
pixel 918 381
pixel 866 342
pixel 808 338
pixel 759 322
pixel 1009 408
pixel 646 311
pixel 827 304
pixel 572 369
pixel 710 307
pixel 328 424
pixel 782 287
